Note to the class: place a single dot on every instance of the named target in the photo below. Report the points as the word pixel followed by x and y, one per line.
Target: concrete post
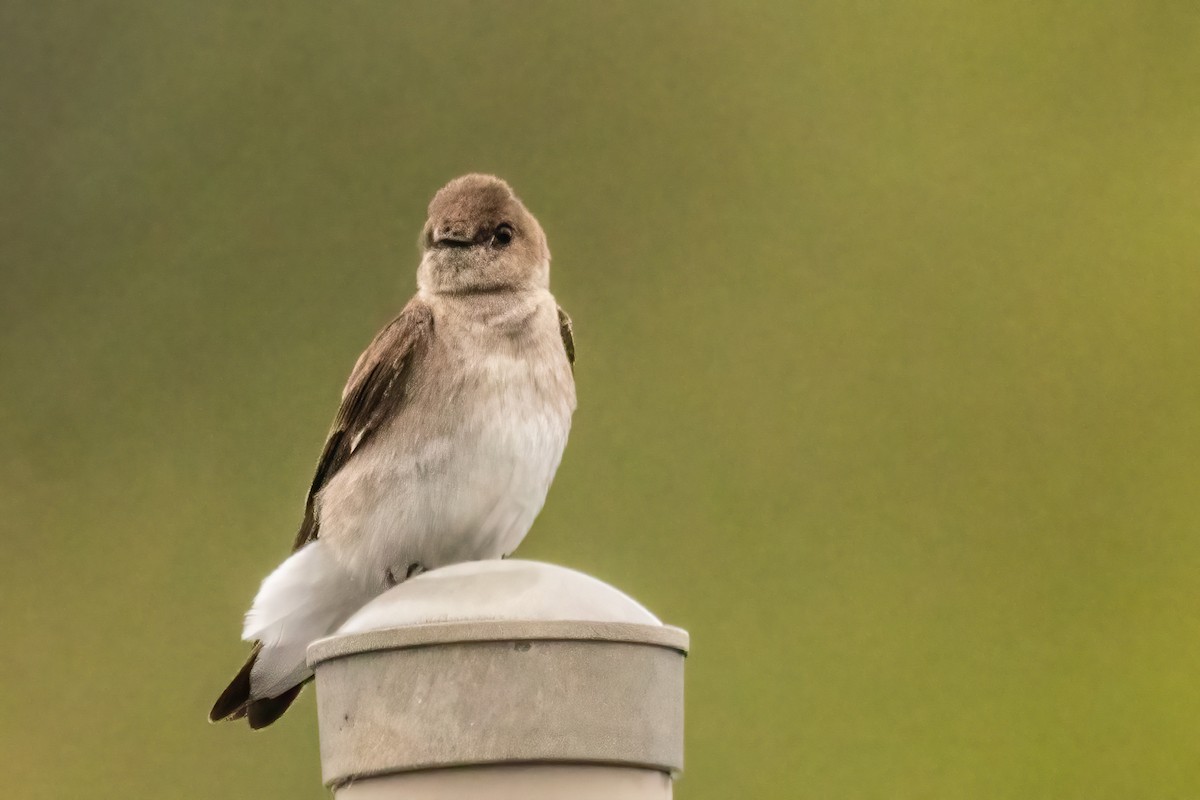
pixel 501 679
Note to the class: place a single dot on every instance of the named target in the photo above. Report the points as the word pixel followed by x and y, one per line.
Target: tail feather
pixel 261 713
pixel 233 701
pixel 236 703
pixel 306 598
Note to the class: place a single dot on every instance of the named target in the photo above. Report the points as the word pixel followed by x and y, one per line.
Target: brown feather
pixel 568 335
pixel 233 701
pixel 375 391
pixel 261 713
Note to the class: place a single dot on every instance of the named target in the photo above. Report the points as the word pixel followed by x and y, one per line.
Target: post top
pixel 500 663
pixel 477 591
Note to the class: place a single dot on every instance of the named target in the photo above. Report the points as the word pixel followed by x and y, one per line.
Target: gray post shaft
pixel 501 679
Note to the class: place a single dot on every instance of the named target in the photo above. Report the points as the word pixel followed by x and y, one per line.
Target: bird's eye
pixel 503 235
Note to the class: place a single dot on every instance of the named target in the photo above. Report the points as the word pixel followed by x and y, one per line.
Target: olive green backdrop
pixel 887 330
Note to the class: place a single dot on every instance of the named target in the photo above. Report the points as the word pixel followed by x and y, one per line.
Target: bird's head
pixel 480 238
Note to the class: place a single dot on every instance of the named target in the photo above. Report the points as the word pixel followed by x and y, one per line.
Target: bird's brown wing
pixel 568 335
pixel 375 392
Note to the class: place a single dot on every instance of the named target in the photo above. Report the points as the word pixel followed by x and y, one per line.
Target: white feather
pixel 305 598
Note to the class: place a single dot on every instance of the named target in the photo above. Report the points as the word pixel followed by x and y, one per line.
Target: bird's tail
pixel 236 701
pixel 305 598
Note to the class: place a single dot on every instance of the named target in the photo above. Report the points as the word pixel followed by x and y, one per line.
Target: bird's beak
pixel 452 236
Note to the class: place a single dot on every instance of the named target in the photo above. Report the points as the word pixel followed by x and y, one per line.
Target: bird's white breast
pixel 463 471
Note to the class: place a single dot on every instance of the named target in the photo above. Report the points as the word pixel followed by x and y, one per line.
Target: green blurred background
pixel 887 328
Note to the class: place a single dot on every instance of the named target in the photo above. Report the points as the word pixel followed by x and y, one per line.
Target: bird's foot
pixel 413 570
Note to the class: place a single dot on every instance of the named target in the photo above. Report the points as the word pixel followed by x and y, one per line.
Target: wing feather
pixel 568 335
pixel 375 392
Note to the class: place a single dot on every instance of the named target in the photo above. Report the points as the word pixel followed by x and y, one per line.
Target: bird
pixel 450 430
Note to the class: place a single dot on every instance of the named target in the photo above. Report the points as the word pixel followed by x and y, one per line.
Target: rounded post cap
pixel 495 663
